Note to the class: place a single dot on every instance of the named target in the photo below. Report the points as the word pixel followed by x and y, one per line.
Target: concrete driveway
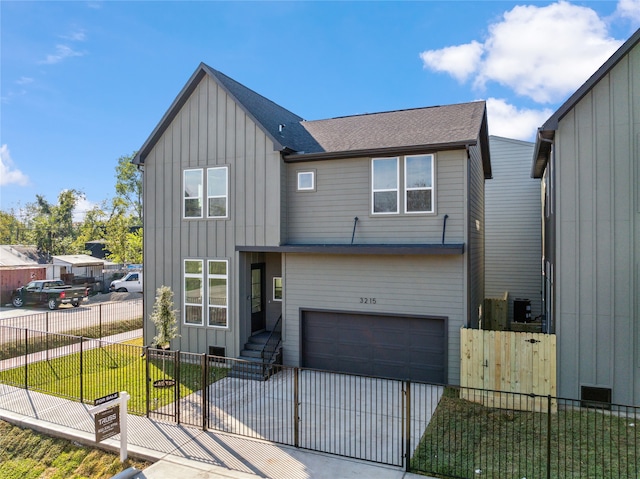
pixel 352 416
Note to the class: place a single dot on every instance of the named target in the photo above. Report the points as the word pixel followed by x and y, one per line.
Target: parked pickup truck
pixel 131 283
pixel 51 292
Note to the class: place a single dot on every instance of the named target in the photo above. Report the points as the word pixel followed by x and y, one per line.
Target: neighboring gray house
pixel 513 229
pixel 588 156
pixel 365 234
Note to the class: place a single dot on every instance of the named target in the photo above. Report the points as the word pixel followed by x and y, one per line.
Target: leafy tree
pixel 11 228
pixel 50 226
pixel 118 227
pixel 129 185
pixel 134 247
pixel 93 227
pixel 164 317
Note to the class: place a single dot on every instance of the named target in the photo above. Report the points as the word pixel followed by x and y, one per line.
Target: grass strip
pixel 465 439
pixel 26 454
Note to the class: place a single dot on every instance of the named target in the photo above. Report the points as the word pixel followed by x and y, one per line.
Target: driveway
pixel 353 416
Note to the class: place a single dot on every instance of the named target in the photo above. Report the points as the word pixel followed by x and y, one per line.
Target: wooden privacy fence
pixel 508 361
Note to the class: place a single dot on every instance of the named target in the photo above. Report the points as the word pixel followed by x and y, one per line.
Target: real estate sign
pixel 107 423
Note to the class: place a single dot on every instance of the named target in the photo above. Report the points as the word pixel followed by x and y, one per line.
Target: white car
pixel 131 283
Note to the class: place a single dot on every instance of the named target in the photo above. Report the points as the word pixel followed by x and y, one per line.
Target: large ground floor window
pixel 217 290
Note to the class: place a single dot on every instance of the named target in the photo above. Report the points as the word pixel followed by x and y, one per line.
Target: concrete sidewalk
pixel 184 452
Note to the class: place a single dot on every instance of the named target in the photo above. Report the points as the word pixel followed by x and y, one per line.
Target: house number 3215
pixel 367 300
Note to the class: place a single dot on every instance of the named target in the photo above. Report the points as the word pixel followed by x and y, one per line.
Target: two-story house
pixel 363 235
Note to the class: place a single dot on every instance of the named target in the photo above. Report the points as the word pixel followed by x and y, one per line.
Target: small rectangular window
pixel 384 185
pixel 418 174
pixel 217 188
pixel 193 292
pixel 218 293
pixel 306 180
pixel 192 192
pixel 277 289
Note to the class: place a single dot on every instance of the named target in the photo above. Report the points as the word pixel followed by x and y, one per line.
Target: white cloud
pixel 9 175
pixel 511 122
pixel 544 53
pixel 78 36
pixel 629 9
pixel 24 80
pixel 82 207
pixel 460 61
pixel 62 52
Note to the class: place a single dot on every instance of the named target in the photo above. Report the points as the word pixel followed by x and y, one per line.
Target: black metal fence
pixel 427 428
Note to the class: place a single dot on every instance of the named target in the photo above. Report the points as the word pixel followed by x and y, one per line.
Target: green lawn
pixel 465 439
pixel 26 454
pixel 111 368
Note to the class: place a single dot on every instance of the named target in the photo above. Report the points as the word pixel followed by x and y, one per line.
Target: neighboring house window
pixel 277 289
pixel 418 184
pixel 192 186
pixel 384 185
pixel 306 180
pixel 218 293
pixel 217 198
pixel 193 291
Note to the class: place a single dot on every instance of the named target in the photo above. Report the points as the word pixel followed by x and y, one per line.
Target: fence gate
pixel 163 371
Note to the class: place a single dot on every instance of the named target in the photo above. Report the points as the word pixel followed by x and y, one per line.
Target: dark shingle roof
pixel 438 125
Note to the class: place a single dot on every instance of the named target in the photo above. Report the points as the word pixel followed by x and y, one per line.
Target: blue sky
pixel 83 83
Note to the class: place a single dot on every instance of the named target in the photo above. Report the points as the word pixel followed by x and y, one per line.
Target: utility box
pixel 521 310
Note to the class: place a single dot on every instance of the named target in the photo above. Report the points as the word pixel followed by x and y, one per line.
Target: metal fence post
pixel 100 320
pixel 549 437
pixel 81 364
pixel 46 329
pixel 407 427
pixel 176 390
pixel 26 358
pixel 147 378
pixel 205 388
pixel 296 412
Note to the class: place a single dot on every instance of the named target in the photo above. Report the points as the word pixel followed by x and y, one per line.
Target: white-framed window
pixel 193 292
pixel 277 288
pixel 217 192
pixel 192 193
pixel 307 180
pixel 218 293
pixel 385 189
pixel 418 184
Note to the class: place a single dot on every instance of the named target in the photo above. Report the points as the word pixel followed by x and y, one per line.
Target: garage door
pixel 388 346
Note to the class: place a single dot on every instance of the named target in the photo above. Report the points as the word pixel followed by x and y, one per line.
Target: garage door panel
pixel 377 345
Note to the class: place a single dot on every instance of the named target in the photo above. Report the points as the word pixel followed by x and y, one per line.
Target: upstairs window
pixel 217 187
pixel 192 188
pixel 306 180
pixel 418 181
pixel 384 182
pixel 413 177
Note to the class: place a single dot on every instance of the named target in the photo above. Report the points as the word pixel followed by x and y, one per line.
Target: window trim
pixel 431 188
pixel 313 180
pixel 186 275
pixel 396 189
pixel 225 196
pixel 226 306
pixel 275 298
pixel 185 198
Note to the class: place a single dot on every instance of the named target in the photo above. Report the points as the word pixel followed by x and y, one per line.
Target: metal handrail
pixel 277 328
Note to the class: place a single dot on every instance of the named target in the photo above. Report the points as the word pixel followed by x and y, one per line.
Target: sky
pixel 83 83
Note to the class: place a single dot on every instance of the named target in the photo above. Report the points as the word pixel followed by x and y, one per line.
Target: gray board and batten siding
pixel 513 244
pixel 592 143
pixel 210 129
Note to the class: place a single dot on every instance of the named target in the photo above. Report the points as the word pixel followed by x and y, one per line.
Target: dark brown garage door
pixel 387 346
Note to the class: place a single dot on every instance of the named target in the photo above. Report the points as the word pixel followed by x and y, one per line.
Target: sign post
pixel 110 416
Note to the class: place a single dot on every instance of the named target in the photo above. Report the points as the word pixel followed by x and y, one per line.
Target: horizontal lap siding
pixel 513 225
pixel 343 192
pixel 401 285
pixel 209 130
